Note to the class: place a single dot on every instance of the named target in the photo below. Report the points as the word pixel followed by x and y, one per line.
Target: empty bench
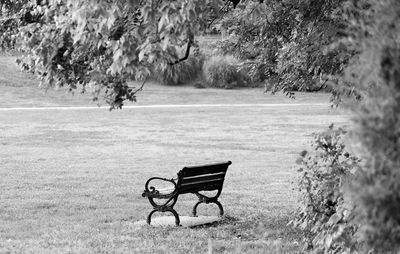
pixel 190 180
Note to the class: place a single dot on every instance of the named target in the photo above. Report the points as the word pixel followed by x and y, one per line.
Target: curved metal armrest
pixel 152 189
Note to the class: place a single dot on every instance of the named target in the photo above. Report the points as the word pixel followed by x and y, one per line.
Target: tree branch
pixel 141 87
pixel 189 44
pixel 216 17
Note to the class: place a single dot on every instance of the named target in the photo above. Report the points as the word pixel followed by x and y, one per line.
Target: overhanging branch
pixel 189 44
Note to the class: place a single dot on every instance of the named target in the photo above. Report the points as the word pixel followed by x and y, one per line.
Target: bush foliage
pixel 180 73
pixel 376 192
pixel 325 213
pixel 223 72
pixel 365 216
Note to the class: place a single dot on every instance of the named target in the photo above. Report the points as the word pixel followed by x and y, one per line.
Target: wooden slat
pixel 205 169
pixel 200 178
pixel 209 186
pixel 204 182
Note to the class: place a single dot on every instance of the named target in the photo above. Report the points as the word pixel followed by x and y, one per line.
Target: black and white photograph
pixel 200 126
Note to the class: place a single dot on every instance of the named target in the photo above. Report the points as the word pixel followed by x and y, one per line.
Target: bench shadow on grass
pixel 256 228
pixel 226 220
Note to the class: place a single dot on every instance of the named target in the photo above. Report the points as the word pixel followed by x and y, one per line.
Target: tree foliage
pixel 101 45
pixel 290 41
pixel 13 14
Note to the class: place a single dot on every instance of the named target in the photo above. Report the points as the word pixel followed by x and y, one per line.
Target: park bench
pixel 190 180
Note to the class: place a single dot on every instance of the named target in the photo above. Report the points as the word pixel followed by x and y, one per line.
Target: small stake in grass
pixel 209 246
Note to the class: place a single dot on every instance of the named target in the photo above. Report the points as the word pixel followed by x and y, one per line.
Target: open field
pixel 71 180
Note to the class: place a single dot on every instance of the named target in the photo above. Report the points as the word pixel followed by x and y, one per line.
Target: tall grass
pixel 222 72
pixel 180 73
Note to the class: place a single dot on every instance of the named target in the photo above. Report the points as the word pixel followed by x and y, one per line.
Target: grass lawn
pixel 71 180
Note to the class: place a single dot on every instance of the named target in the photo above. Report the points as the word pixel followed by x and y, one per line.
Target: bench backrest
pixel 202 178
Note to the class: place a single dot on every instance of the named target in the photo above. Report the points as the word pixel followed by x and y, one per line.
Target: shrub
pixel 325 213
pixel 208 45
pixel 259 63
pixel 222 72
pixel 257 71
pixel 376 191
pixel 180 73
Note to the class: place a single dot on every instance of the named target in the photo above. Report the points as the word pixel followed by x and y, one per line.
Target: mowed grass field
pixel 71 180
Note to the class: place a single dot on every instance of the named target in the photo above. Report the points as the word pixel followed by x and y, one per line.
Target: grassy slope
pixel 71 180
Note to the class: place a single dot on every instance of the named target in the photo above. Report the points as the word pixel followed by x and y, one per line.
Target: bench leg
pixel 221 209
pixel 166 207
pixel 149 216
pixel 177 220
pixel 194 212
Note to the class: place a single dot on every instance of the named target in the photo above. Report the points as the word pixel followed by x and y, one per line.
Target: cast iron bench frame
pixel 190 180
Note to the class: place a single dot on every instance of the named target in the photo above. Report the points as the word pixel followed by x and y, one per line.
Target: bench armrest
pixel 160 193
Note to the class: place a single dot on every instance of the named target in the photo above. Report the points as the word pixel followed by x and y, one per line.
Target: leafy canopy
pixel 100 45
pixel 289 42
